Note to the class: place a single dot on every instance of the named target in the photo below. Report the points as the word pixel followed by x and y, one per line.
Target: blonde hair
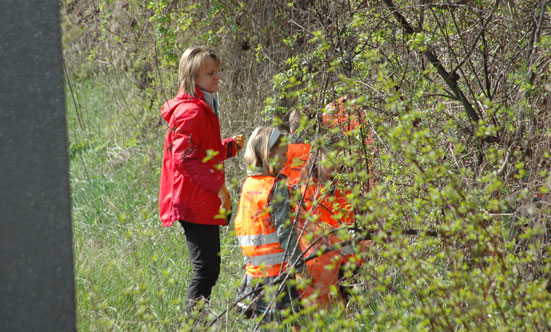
pixel 257 154
pixel 190 63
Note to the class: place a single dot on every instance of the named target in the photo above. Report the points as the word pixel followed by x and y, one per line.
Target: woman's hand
pixel 224 198
pixel 239 141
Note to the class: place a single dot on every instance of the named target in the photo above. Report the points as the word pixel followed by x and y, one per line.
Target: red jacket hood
pixel 168 108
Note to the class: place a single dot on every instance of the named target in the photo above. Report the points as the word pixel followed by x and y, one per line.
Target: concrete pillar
pixel 36 260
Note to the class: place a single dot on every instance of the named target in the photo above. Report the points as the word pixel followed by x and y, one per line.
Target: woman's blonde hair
pixel 257 154
pixel 190 63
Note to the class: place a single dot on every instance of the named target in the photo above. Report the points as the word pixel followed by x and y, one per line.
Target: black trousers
pixel 203 242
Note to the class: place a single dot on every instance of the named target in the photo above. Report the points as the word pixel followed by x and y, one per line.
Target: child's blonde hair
pixel 257 154
pixel 190 63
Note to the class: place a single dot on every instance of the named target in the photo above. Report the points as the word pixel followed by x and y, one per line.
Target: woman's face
pixel 207 76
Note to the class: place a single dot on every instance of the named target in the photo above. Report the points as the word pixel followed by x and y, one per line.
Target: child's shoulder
pixel 265 179
pixel 262 177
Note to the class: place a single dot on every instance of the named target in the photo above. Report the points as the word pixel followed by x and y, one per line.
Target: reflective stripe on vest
pixel 257 236
pixel 257 239
pixel 265 260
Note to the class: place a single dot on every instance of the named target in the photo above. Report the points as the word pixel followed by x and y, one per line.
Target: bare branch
pixel 449 78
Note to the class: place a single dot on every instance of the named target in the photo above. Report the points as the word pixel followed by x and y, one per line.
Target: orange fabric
pixel 297 156
pixel 323 271
pixel 259 250
pixel 253 219
pixel 334 210
pixel 328 207
pixel 337 115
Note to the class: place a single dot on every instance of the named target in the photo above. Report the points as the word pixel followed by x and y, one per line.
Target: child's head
pixel 266 150
pixel 198 66
pixel 323 169
pixel 294 120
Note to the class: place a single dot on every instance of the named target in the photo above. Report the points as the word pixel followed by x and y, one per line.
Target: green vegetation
pixel 455 98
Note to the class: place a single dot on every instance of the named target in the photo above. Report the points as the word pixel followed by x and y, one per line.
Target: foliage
pixel 454 96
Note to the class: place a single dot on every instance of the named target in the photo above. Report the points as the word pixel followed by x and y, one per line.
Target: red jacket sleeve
pixel 188 155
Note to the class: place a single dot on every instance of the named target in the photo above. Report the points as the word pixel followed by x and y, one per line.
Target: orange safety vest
pixel 333 210
pixel 324 270
pixel 297 156
pixel 264 256
pixel 319 203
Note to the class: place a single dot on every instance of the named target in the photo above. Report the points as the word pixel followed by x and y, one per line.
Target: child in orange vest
pixel 326 211
pixel 265 234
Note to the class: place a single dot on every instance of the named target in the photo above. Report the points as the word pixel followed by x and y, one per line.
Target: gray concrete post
pixel 36 260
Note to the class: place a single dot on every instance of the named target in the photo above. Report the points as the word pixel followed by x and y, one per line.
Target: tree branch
pixel 449 78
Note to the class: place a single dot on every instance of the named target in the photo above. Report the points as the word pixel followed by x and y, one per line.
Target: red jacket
pixel 193 162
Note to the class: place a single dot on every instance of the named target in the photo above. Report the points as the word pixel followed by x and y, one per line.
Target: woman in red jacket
pixel 192 189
